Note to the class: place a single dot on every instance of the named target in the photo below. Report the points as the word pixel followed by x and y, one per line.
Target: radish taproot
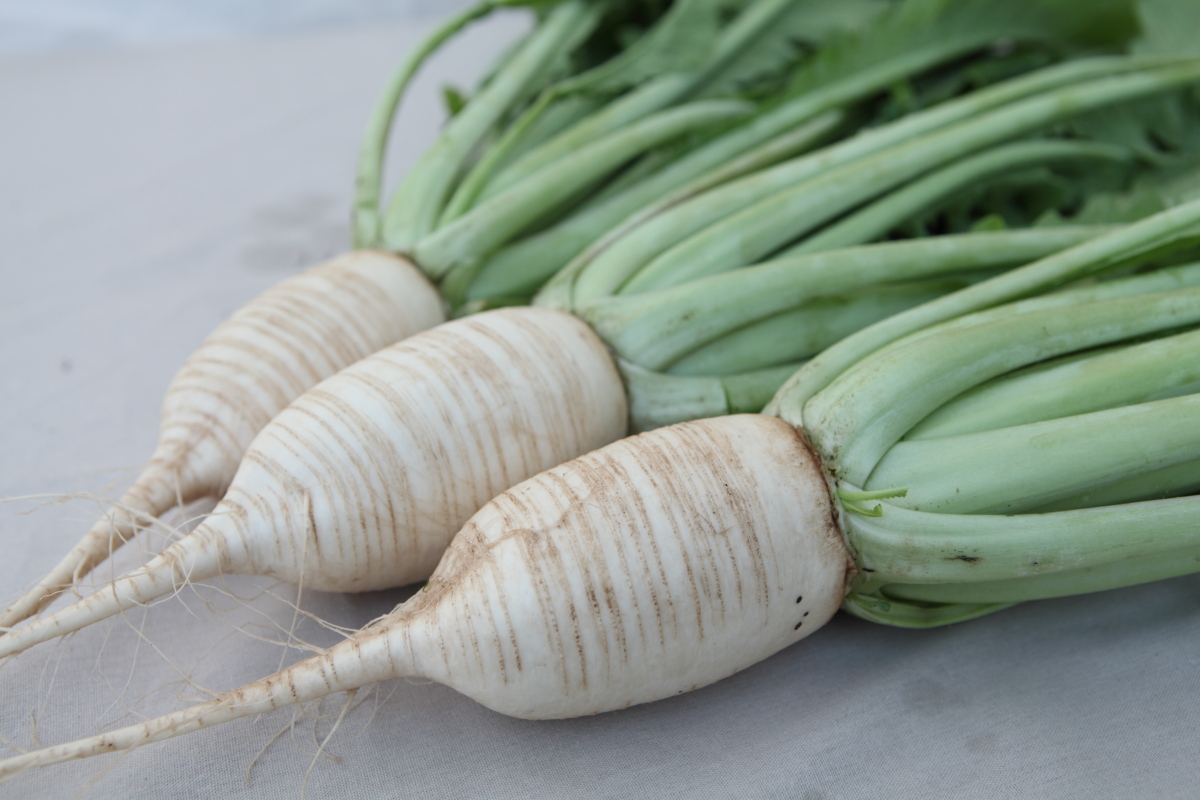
pixel 266 354
pixel 362 481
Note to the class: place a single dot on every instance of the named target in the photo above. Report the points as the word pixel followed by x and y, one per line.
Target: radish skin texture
pixel 266 354
pixel 657 565
pixel 361 482
pixel 654 566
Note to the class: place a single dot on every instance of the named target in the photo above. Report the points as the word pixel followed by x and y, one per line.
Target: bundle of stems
pixel 531 172
pixel 985 449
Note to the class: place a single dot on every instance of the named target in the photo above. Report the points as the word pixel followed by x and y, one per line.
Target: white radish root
pixel 266 354
pixel 362 481
pixel 651 567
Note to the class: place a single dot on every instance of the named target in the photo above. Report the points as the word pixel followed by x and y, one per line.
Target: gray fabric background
pixel 33 25
pixel 145 194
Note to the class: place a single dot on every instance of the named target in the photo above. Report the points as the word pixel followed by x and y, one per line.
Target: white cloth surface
pixel 145 195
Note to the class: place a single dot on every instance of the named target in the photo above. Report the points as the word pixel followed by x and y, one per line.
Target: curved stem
pixel 511 140
pixel 1012 470
pixel 1142 568
pixel 1123 376
pixel 650 98
pixel 919 547
pixel 419 200
pixel 367 187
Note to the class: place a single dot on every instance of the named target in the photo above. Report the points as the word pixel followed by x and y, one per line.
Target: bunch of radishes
pixel 707 227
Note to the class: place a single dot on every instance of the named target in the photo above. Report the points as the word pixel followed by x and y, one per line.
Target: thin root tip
pixel 13 766
pixel 143 503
